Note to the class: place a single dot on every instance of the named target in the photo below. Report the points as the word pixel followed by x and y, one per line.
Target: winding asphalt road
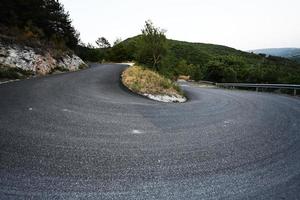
pixel 81 135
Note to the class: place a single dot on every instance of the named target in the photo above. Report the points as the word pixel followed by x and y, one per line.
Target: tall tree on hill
pixel 152 45
pixel 103 43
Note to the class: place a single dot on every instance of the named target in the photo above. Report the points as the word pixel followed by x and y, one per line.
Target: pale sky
pixel 242 24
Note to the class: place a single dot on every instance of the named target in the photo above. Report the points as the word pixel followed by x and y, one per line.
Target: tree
pixel 103 43
pixel 45 19
pixel 152 45
pixel 117 41
pixel 183 68
pixel 218 71
pixel 119 53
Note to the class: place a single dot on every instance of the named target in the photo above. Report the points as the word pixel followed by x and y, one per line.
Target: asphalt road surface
pixel 81 135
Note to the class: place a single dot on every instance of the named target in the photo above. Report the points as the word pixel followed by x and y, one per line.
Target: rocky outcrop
pixel 167 98
pixel 28 58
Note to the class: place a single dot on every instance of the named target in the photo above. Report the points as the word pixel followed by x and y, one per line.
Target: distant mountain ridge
pixel 290 53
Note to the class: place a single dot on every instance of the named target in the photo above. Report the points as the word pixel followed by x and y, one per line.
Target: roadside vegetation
pixel 7 73
pixel 50 27
pixel 43 24
pixel 143 80
pixel 58 70
pixel 199 61
pixel 147 80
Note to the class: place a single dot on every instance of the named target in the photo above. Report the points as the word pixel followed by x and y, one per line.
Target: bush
pixel 82 66
pixel 185 69
pixel 219 63
pixel 119 53
pixel 152 46
pixel 14 73
pixel 58 69
pixel 91 54
pixel 43 20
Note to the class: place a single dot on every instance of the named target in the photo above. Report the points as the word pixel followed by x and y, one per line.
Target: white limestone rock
pixel 28 59
pixel 167 98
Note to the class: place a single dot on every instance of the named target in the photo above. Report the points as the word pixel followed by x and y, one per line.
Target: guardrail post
pixel 264 87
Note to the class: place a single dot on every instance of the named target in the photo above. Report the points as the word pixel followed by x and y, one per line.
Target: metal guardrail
pixel 257 86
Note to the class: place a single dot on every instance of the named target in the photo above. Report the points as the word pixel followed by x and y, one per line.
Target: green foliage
pixel 58 69
pixel 83 66
pixel 151 46
pixel 217 71
pixel 91 54
pixel 103 43
pixel 218 63
pixel 136 86
pixel 183 68
pixel 14 73
pixel 209 62
pixel 119 53
pixel 166 84
pixel 187 51
pixel 167 66
pixel 38 19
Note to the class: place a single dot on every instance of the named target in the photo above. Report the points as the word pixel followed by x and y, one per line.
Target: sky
pixel 241 24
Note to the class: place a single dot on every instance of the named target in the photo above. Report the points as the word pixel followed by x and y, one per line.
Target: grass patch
pixel 145 81
pixel 83 66
pixel 58 69
pixel 14 73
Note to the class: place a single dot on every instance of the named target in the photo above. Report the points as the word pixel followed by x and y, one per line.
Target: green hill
pixel 218 63
pixel 209 62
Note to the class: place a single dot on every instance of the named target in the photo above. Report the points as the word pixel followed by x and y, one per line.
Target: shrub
pixel 58 69
pixel 82 66
pixel 146 81
pixel 14 73
pixel 39 19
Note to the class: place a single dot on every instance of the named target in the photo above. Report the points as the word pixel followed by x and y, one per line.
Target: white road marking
pixel 183 85
pixel 137 131
pixel 228 122
pixel 9 81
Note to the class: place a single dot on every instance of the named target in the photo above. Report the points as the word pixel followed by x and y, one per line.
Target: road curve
pixel 81 135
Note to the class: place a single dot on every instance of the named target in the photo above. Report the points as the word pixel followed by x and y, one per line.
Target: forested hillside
pixel 208 62
pixel 36 37
pixel 224 64
pixel 37 22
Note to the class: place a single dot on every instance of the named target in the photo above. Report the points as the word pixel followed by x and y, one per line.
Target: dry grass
pixel 8 73
pixel 143 80
pixel 182 77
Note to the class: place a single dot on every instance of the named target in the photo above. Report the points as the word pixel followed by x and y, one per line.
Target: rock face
pixel 27 58
pixel 167 98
